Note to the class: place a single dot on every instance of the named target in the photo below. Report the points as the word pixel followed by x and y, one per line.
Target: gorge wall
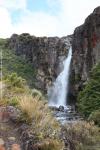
pixel 86 51
pixel 45 54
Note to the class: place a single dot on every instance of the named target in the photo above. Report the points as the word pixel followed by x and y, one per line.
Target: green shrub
pixel 13 80
pixel 13 101
pixel 36 93
pixel 95 116
pixel 89 98
pixel 13 87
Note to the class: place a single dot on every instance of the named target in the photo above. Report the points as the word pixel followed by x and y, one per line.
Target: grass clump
pixel 49 144
pixel 13 87
pixel 37 93
pixel 13 80
pixel 43 124
pixel 36 112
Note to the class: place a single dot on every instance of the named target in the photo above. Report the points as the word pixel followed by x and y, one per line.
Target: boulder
pixel 14 113
pixel 61 108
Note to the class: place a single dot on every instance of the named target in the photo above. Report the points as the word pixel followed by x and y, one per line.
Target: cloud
pixel 70 15
pixel 6 28
pixel 13 4
pixel 75 12
pixel 38 23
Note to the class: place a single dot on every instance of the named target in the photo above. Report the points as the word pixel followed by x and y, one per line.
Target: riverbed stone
pixel 61 108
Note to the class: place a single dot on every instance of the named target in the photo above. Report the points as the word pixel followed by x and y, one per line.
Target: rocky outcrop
pixel 45 53
pixel 86 50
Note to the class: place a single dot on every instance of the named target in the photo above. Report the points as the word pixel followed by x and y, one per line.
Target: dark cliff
pixel 45 53
pixel 86 51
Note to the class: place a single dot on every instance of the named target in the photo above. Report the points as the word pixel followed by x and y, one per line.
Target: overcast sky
pixel 43 17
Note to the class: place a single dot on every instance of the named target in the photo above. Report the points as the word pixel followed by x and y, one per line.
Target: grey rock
pixel 61 108
pixel 14 113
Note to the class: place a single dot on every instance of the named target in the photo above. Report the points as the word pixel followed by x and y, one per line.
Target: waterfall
pixel 58 92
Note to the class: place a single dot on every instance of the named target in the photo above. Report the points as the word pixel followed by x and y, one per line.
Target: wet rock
pixel 70 118
pixel 72 109
pixel 61 108
pixel 54 108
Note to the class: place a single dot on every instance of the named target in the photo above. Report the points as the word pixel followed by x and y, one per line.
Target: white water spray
pixel 58 93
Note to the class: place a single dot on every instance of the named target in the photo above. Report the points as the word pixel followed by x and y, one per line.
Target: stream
pixel 66 114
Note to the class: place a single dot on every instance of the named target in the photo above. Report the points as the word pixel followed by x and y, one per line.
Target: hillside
pixel 12 63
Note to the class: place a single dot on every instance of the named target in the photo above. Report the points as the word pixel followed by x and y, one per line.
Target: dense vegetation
pixel 13 63
pixel 89 98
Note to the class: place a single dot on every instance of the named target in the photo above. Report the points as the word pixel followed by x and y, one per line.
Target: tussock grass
pixel 81 135
pixel 36 112
pixel 49 144
pixel 44 126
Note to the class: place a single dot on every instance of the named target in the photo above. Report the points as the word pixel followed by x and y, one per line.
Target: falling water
pixel 58 93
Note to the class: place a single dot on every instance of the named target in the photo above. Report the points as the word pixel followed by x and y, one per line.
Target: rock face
pixel 45 53
pixel 86 50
